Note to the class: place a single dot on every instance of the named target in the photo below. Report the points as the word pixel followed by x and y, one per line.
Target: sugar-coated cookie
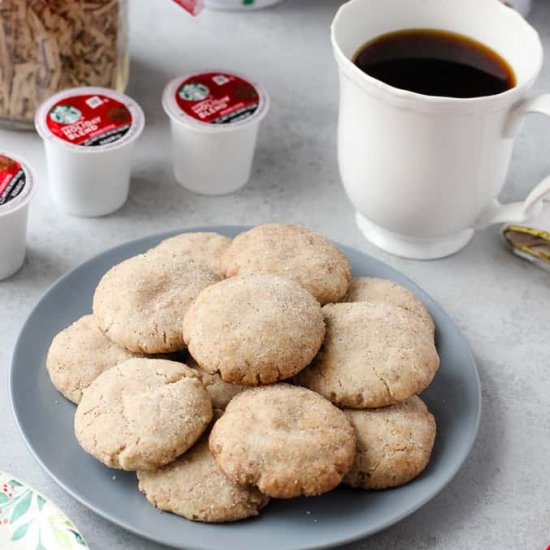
pixel 394 444
pixel 254 329
pixel 294 252
pixel 140 303
pixel 205 248
pixel 386 291
pixel 79 354
pixel 142 414
pixel 193 486
pixel 287 441
pixel 373 355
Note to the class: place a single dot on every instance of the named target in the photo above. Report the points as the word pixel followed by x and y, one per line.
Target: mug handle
pixel 517 212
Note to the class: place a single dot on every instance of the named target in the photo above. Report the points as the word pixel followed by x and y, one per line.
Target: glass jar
pixel 49 45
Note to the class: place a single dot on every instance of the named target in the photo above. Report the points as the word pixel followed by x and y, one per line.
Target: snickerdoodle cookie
pixel 394 444
pixel 79 354
pixel 205 248
pixel 287 441
pixel 385 291
pixel 373 355
pixel 142 414
pixel 294 252
pixel 255 329
pixel 140 303
pixel 220 392
pixel 193 486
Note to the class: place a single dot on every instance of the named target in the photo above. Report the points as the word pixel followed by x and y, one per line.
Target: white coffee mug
pixel 422 171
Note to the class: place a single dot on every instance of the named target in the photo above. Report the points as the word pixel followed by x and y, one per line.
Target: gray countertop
pixel 500 497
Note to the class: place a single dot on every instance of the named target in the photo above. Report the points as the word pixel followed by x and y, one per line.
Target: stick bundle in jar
pixel 49 45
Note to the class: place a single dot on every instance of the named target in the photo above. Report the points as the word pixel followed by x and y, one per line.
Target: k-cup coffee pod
pixel 215 117
pixel 17 188
pixel 89 135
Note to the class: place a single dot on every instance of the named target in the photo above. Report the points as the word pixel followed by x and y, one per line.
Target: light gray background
pixel 500 497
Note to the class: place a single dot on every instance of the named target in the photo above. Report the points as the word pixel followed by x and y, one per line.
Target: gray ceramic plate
pixel 45 420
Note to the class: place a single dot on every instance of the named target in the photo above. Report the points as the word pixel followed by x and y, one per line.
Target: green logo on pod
pixel 65 114
pixel 193 92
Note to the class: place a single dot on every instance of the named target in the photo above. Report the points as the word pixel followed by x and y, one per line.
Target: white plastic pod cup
pixel 214 117
pixel 89 135
pixel 17 188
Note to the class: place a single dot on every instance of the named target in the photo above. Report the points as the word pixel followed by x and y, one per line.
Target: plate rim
pixel 431 494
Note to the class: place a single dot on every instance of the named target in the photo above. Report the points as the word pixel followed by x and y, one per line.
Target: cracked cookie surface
pixel 394 444
pixel 142 414
pixel 384 291
pixel 79 354
pixel 194 486
pixel 293 252
pixel 373 355
pixel 140 303
pixel 285 440
pixel 254 329
pixel 205 248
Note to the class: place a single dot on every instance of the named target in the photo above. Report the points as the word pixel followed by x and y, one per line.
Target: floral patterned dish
pixel 29 521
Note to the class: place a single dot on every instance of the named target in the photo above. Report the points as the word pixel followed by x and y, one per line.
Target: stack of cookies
pixel 225 372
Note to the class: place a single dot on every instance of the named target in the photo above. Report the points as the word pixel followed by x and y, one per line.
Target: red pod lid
pixel 215 99
pixel 89 118
pixel 16 183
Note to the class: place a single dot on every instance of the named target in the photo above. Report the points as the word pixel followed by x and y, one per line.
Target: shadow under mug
pixel 423 172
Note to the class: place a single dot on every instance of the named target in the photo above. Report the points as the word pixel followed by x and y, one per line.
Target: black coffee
pixel 436 63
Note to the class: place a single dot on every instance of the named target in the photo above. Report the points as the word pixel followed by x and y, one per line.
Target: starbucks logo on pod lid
pixel 90 118
pixel 214 98
pixel 65 114
pixel 193 92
